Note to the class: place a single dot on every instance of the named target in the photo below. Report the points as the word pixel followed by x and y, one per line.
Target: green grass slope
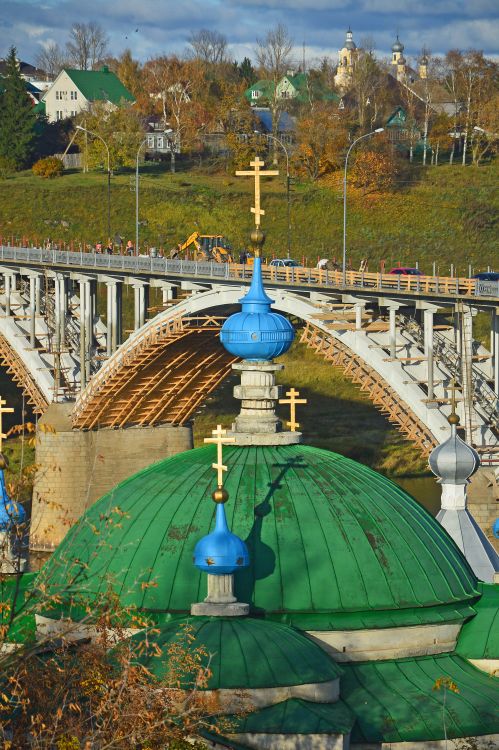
pixel 445 214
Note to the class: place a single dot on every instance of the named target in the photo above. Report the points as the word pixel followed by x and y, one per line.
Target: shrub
pixel 374 171
pixel 51 166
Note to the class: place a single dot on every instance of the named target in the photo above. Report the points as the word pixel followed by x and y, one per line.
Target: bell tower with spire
pixel 346 61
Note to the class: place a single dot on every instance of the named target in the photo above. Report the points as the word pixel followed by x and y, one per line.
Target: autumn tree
pixel 449 75
pixel 476 80
pixel 440 135
pixel 374 170
pixel 129 71
pixel 485 137
pixel 273 54
pixel 368 84
pixel 122 130
pixel 321 139
pixel 237 121
pixel 87 45
pixel 179 88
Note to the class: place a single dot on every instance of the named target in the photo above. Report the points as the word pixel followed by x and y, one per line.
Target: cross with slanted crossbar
pixel 219 438
pixel 292 401
pixel 3 410
pixel 257 173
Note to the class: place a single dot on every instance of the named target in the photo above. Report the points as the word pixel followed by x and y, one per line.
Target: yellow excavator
pixel 206 247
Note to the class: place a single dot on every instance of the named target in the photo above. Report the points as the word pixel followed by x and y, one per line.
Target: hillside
pixel 445 214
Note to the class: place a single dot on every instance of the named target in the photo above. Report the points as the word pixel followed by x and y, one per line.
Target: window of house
pixel 255 94
pixel 74 95
pixel 150 141
pixel 57 95
pixel 160 141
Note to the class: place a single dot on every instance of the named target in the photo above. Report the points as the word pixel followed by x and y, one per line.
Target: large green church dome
pixel 332 544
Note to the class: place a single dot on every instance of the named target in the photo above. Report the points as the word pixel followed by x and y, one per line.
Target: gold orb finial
pixel 257 237
pixel 453 417
pixel 220 495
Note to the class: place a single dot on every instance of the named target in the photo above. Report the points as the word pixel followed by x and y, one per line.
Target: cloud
pixel 164 27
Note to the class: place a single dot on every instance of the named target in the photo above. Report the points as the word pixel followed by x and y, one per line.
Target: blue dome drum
pixel 256 333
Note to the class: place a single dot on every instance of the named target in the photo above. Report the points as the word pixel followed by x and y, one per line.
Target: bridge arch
pixel 27 368
pixel 145 388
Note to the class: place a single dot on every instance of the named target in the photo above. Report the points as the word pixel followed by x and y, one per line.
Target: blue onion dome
pixel 220 552
pixel 256 333
pixel 11 513
pixel 397 46
pixel 454 461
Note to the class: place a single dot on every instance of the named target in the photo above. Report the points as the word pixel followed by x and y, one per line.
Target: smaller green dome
pixel 245 652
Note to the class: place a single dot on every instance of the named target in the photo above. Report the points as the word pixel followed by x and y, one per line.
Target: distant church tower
pixel 398 59
pixel 346 61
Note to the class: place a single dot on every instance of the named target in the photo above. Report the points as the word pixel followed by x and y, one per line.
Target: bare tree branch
pixel 209 47
pixel 87 45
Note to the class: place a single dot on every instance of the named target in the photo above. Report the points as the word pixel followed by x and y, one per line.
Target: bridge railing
pixel 444 285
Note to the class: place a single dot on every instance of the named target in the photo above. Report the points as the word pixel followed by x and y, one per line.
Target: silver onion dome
pixel 454 461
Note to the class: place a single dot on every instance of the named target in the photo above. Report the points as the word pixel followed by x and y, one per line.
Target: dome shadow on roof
pixel 332 544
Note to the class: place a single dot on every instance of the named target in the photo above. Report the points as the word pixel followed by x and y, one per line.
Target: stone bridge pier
pixel 76 467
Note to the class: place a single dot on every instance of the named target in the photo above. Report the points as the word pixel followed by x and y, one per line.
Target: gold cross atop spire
pixel 3 410
pixel 257 173
pixel 292 400
pixel 219 438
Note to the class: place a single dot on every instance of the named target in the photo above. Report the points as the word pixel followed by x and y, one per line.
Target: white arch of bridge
pixel 427 426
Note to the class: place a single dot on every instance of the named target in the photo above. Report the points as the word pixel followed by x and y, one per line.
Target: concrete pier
pixel 75 467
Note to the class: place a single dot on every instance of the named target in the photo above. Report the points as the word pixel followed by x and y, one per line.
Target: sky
pixel 152 27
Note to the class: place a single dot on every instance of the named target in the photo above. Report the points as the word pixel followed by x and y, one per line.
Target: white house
pixel 75 90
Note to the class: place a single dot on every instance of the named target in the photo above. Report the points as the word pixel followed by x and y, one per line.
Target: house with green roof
pixel 75 90
pixel 297 86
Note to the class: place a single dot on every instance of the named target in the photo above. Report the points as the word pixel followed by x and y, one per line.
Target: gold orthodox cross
pixel 292 400
pixel 3 410
pixel 219 438
pixel 257 173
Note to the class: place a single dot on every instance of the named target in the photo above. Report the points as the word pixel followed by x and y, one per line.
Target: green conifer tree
pixel 17 117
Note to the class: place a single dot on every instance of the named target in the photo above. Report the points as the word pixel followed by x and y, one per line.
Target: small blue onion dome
pixel 11 513
pixel 397 46
pixel 221 552
pixel 454 461
pixel 256 333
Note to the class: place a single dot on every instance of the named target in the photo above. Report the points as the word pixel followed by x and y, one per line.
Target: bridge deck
pixel 438 289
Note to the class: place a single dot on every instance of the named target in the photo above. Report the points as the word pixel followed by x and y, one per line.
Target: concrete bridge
pixel 404 340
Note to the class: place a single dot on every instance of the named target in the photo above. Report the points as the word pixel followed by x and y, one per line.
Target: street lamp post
pixel 96 135
pixel 137 197
pixel 344 265
pixel 273 137
pixel 166 132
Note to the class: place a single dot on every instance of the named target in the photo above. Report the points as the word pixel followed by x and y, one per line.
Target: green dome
pixel 332 544
pixel 246 653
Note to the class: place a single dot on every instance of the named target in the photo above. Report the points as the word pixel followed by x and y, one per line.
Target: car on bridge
pixel 487 276
pixel 284 263
pixel 405 271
